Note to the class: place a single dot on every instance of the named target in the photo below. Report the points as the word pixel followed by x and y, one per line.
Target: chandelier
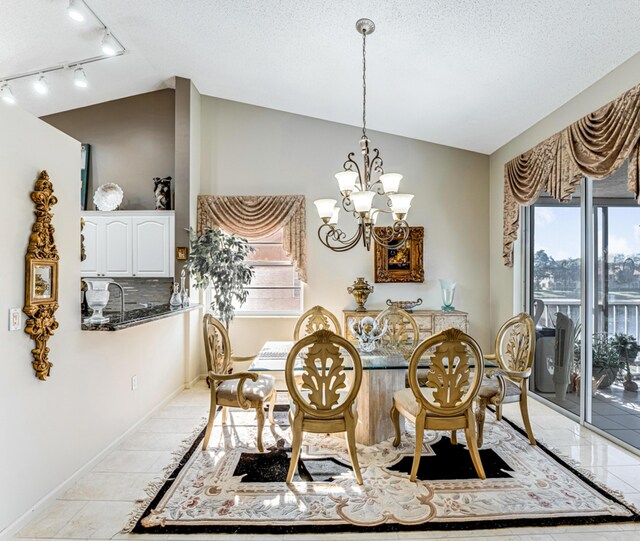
pixel 358 189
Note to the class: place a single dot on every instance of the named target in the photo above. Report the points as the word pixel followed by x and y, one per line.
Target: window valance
pixel 594 146
pixel 256 216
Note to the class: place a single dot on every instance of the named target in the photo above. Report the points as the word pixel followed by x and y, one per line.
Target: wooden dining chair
pixel 237 390
pixel 514 354
pixel 322 400
pixel 446 401
pixel 403 334
pixel 315 319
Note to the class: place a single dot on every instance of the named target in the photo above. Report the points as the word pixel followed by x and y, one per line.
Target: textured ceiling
pixel 470 74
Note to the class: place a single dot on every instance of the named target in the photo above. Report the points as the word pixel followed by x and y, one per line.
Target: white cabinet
pixel 151 246
pixel 128 243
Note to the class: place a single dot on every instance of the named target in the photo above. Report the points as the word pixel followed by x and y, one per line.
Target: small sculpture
pixel 361 291
pixel 162 192
pixel 368 332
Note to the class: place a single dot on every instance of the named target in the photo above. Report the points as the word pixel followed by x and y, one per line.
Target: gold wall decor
pixel 41 280
pixel 403 263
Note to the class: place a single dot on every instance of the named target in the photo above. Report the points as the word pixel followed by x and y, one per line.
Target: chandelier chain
pixel 364 84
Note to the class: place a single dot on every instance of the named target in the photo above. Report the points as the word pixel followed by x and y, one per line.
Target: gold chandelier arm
pixel 398 233
pixel 350 163
pixel 334 238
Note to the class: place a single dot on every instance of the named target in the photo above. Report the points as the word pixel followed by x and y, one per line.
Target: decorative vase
pixel 97 297
pixel 176 297
pixel 162 193
pixel 361 291
pixel 448 290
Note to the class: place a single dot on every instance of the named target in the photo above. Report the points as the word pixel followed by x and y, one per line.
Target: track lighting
pixel 109 44
pixel 75 10
pixel 80 78
pixel 6 94
pixel 40 85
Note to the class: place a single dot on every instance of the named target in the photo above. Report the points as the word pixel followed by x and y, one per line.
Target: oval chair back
pixel 449 375
pixel 316 319
pixel 402 333
pixel 217 346
pixel 318 387
pixel 515 344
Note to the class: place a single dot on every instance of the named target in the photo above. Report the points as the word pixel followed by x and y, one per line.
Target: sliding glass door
pixel 584 293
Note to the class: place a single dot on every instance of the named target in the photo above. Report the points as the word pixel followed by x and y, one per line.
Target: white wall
pixel 50 429
pixel 606 89
pixel 249 150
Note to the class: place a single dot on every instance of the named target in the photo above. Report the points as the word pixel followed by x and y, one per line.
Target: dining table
pixel 383 374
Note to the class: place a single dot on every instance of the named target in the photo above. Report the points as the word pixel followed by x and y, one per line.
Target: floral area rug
pixel 231 487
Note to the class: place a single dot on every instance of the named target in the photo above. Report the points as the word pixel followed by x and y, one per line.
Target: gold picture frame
pixel 41 277
pixel 402 264
pixel 182 253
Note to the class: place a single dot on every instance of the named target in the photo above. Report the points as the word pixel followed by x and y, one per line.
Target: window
pixel 275 289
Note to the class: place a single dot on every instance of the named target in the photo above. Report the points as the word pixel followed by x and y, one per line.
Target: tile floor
pixel 97 506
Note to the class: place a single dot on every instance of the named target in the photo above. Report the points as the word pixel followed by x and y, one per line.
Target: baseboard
pixel 48 499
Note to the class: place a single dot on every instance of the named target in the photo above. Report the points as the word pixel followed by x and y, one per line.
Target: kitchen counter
pixel 132 318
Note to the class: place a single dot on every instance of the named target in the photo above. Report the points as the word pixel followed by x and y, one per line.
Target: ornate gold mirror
pixel 41 280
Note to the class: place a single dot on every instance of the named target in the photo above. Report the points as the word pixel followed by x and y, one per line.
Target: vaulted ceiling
pixel 470 74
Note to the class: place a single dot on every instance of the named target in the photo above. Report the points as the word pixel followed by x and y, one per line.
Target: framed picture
pixel 400 262
pixel 85 157
pixel 182 253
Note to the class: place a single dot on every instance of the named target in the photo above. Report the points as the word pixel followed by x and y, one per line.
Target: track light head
pixel 41 85
pixel 109 45
pixel 75 10
pixel 6 94
pixel 80 78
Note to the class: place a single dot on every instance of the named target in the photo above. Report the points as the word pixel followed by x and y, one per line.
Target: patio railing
pixel 624 316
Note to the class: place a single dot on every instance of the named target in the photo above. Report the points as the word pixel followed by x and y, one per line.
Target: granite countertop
pixel 132 318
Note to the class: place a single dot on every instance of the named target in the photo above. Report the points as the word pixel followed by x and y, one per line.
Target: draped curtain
pixel 594 146
pixel 257 216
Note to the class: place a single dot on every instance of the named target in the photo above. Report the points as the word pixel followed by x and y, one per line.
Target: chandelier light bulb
pixel 346 181
pixel 6 94
pixel 109 45
pixel 75 11
pixel 400 204
pixel 362 201
pixel 325 208
pixel 390 182
pixel 40 85
pixel 334 217
pixel 80 78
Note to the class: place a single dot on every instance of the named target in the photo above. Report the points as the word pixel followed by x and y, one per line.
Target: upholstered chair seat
pixel 491 387
pixel 254 391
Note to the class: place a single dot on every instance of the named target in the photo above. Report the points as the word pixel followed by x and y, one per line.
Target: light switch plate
pixel 134 382
pixel 15 319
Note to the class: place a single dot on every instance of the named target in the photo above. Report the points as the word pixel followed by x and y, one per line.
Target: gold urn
pixel 361 291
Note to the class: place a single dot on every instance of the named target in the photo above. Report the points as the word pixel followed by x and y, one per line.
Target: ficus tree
pixel 217 261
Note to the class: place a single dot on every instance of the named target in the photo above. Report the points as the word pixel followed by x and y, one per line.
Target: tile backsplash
pixel 140 291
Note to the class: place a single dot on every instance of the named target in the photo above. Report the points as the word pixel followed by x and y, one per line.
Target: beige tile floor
pixel 97 506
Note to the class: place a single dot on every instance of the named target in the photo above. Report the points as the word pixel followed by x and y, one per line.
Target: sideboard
pixel 429 321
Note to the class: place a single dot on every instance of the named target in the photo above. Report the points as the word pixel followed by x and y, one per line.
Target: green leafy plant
pixel 217 261
pixel 627 348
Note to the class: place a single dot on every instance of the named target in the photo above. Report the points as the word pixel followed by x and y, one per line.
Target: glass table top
pixel 273 357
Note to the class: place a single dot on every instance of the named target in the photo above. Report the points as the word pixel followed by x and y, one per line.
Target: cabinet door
pixel 152 246
pixel 91 265
pixel 116 240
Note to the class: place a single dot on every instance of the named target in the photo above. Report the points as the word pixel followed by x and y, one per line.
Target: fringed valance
pixel 257 216
pixel 594 146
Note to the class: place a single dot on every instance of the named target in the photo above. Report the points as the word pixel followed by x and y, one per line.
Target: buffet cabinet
pixel 128 243
pixel 429 322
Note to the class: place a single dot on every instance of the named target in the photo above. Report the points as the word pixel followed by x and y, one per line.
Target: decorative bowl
pixel 108 196
pixel 407 306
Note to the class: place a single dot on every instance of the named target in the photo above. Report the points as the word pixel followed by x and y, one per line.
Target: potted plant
pixel 627 348
pixel 217 261
pixel 606 360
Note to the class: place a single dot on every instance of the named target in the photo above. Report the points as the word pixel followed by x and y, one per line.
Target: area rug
pixel 233 488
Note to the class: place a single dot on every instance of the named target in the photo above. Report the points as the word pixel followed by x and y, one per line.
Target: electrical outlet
pixel 15 319
pixel 134 382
